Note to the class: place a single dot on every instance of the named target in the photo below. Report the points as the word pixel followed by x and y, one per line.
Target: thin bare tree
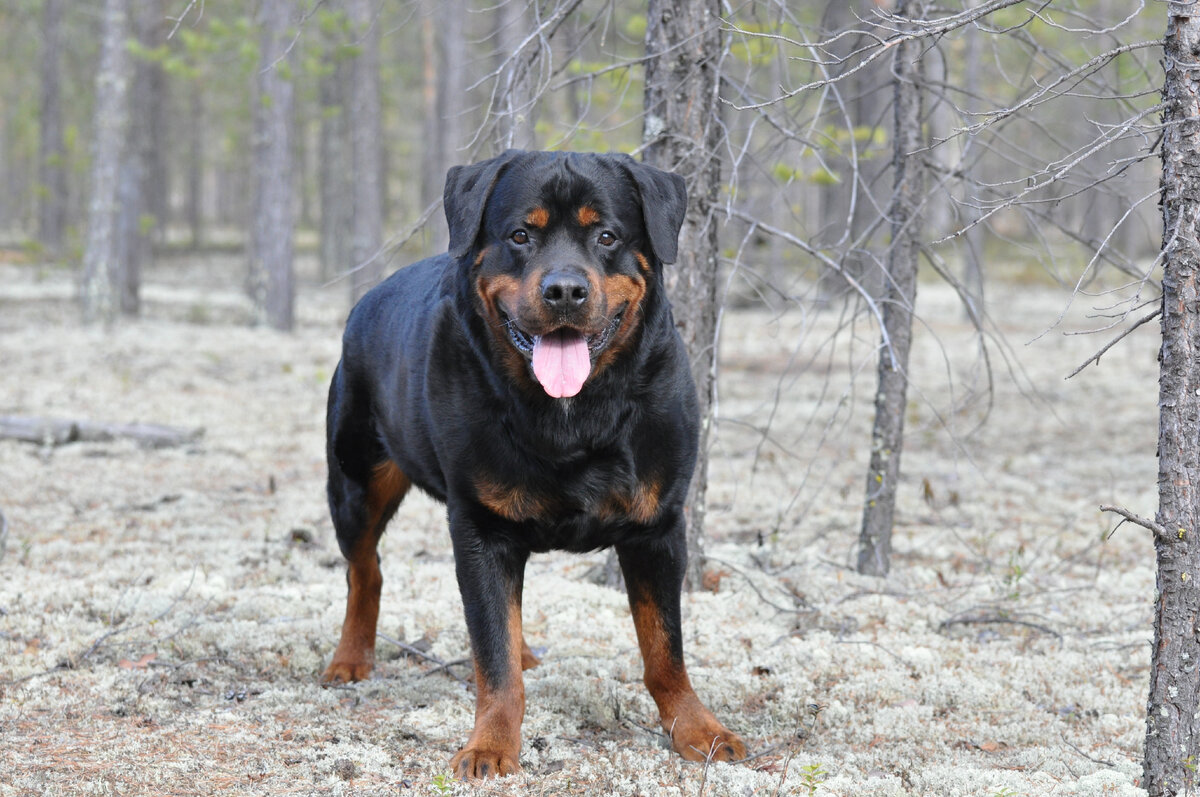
pixel 1172 727
pixel 101 268
pixel 271 280
pixel 365 124
pixel 683 134
pixel 52 153
pixel 897 300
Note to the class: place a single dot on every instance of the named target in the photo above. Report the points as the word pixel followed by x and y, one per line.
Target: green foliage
pixel 442 783
pixel 147 223
pixel 635 26
pixel 1015 572
pixel 812 776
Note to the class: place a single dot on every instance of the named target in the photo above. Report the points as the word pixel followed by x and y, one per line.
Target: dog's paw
pixel 345 672
pixel 703 738
pixel 476 763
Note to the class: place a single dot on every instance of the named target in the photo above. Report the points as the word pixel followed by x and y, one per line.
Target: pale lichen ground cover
pixel 165 614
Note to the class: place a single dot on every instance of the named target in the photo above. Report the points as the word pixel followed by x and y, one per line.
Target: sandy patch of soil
pixel 165 614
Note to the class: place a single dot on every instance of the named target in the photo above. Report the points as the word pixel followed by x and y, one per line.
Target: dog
pixel 532 379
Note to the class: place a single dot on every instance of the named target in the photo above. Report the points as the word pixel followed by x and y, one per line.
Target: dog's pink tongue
pixel 561 362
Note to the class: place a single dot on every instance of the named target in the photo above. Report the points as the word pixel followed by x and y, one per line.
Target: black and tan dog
pixel 532 379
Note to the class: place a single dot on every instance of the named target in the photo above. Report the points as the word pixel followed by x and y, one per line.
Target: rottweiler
pixel 532 379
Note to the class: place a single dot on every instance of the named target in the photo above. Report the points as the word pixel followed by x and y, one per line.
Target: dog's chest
pixel 603 494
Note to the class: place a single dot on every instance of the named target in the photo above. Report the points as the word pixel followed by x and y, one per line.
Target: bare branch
pixel 1095 358
pixel 1138 520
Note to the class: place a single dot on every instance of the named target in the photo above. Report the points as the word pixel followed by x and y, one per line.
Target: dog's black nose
pixel 564 290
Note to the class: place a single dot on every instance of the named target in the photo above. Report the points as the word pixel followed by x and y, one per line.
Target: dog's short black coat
pixel 532 379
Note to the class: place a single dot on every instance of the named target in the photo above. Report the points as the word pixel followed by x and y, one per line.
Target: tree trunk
pixel 136 184
pixel 1172 740
pixel 194 199
pixel 432 178
pixel 101 269
pixel 898 295
pixel 334 162
pixel 974 239
pixel 682 134
pixel 52 153
pixel 366 136
pixel 271 282
pixel 150 17
pixel 515 103
pixel 445 95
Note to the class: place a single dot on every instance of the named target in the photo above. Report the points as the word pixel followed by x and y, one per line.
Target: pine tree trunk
pixel 1172 740
pixel 101 268
pixel 515 104
pixel 270 281
pixel 898 297
pixel 52 153
pixel 683 134
pixel 366 136
pixel 136 184
pixel 333 169
pixel 445 95
pixel 194 172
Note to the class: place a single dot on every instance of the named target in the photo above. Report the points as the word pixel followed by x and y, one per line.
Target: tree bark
pixel 515 102
pixel 101 268
pixel 271 282
pixel 52 153
pixel 137 184
pixel 194 174
pixel 682 134
pixel 898 297
pixel 334 162
pixel 1172 740
pixel 444 94
pixel 366 137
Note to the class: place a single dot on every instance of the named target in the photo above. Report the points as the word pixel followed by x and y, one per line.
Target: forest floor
pixel 165 613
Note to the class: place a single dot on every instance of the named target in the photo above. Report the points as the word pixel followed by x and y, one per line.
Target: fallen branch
pixel 442 666
pixel 990 619
pixel 1145 523
pixel 59 431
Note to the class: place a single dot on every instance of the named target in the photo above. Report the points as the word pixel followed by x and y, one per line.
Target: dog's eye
pixel 519 237
pixel 607 238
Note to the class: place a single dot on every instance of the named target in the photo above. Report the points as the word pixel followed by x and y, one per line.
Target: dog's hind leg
pixel 364 491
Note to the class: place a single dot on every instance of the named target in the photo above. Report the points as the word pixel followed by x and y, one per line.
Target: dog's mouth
pixel 562 358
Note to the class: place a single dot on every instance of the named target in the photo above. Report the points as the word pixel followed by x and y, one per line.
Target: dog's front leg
pixel 654 578
pixel 490 575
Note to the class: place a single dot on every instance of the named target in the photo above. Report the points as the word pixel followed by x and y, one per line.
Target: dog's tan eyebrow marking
pixel 538 217
pixel 587 216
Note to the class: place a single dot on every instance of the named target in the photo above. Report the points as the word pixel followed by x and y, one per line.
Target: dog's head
pixel 561 250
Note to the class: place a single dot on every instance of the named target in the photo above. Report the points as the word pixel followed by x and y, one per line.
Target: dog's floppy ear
pixel 466 193
pixel 664 201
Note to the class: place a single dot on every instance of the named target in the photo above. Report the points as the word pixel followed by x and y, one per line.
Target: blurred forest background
pixel 1037 122
pixel 834 152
